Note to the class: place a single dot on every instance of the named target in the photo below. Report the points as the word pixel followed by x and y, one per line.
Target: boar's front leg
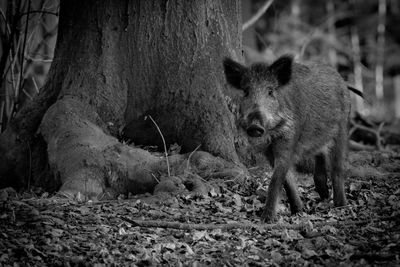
pixel 282 164
pixel 296 205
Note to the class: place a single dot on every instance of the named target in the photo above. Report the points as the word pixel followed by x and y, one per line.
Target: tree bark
pixel 115 63
pixel 176 71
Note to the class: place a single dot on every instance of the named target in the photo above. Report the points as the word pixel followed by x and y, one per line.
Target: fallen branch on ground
pixel 353 145
pixel 376 132
pixel 229 226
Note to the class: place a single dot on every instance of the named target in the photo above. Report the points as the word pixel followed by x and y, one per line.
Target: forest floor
pixel 221 229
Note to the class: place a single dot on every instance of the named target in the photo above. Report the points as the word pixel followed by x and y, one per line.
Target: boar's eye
pixel 270 91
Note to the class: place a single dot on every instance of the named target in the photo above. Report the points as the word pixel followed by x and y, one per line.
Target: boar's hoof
pixel 268 217
pixel 255 130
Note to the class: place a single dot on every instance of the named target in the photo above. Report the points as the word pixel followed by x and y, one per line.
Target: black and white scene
pixel 199 133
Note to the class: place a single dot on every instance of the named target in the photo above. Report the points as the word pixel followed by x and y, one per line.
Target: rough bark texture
pixel 177 74
pixel 116 62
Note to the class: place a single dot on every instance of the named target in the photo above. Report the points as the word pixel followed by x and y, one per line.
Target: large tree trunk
pixel 116 62
pixel 175 65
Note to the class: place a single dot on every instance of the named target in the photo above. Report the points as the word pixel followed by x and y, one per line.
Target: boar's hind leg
pixel 320 175
pixel 337 161
pixel 296 205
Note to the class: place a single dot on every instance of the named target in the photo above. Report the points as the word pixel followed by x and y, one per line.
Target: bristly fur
pixel 282 68
pixel 233 72
pixel 298 111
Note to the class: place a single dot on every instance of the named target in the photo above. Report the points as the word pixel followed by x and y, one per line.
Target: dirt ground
pixel 220 229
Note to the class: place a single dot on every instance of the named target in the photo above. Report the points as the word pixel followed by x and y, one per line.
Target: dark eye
pixel 270 91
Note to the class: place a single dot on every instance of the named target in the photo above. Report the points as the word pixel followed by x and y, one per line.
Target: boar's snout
pixel 254 124
pixel 255 130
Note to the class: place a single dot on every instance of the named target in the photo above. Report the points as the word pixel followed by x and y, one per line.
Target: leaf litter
pixel 221 228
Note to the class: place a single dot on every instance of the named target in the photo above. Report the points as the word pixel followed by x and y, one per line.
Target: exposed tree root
pixel 376 132
pixel 358 146
pixel 92 163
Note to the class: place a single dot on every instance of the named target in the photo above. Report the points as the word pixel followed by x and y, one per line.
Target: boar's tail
pixel 355 90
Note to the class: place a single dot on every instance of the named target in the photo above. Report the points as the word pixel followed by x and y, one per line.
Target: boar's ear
pixel 282 68
pixel 233 72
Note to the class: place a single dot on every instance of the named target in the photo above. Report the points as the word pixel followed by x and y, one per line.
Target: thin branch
pixel 12 61
pixel 165 146
pixel 2 108
pixel 35 84
pixel 29 58
pixel 258 15
pixel 238 225
pixel 23 47
pixel 27 94
pixel 5 21
pixel 12 72
pixel 155 178
pixel 190 155
pixel 38 11
pixel 10 112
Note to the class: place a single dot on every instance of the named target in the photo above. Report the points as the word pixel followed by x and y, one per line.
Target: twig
pixel 12 72
pixel 13 61
pixel 155 178
pixel 35 84
pixel 23 47
pixel 353 145
pixel 257 16
pixel 165 146
pixel 229 226
pixel 38 11
pixel 27 57
pixel 27 94
pixel 10 112
pixel 2 108
pixel 190 155
pixel 5 21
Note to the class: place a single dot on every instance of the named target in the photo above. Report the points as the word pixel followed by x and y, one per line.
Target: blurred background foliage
pixel 28 33
pixel 361 38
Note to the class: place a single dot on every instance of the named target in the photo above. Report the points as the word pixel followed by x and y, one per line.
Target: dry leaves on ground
pixel 222 228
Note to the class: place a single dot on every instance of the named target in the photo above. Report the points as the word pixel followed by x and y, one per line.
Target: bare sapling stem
pixel 165 146
pixel 190 155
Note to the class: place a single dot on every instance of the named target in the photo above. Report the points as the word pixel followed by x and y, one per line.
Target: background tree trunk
pixel 357 68
pixel 116 62
pixel 396 83
pixel 380 50
pixel 331 12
